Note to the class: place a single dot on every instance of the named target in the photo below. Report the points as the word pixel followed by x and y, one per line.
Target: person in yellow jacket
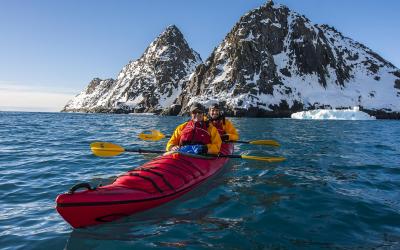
pixel 224 126
pixel 195 136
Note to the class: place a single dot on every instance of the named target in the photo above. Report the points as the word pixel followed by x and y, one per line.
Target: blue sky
pixel 50 50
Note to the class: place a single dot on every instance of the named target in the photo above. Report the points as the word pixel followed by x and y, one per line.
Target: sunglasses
pixel 197 112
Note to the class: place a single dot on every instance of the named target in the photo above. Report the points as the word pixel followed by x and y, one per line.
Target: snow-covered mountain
pixel 149 84
pixel 273 62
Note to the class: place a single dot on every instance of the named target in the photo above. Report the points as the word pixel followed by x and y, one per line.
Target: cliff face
pixel 275 62
pixel 272 63
pixel 149 84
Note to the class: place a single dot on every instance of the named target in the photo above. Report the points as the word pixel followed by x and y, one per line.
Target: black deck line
pixel 182 168
pixel 148 179
pixel 171 172
pixel 157 174
pixel 105 203
pixel 187 163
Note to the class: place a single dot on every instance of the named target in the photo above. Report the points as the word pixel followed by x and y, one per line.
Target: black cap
pixel 215 106
pixel 196 106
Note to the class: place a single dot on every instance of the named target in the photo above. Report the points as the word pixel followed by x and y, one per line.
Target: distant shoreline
pixel 380 115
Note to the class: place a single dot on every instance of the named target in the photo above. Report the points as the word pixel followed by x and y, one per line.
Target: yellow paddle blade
pixel 265 142
pixel 262 158
pixel 106 149
pixel 154 135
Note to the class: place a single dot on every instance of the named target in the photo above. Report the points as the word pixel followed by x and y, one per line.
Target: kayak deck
pixel 154 183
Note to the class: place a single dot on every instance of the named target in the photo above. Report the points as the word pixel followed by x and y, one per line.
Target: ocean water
pixel 339 188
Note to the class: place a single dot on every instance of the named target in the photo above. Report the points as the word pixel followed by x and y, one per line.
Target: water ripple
pixel 338 188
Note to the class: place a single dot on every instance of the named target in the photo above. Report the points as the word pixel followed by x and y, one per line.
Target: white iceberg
pixel 333 114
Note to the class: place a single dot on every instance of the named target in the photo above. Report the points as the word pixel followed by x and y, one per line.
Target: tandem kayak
pixel 158 181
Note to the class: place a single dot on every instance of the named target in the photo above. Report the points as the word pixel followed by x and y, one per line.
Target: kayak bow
pixel 157 182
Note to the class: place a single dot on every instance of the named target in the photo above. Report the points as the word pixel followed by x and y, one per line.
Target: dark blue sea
pixel 338 189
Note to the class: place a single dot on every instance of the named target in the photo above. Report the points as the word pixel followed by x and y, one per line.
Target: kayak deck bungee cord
pixel 156 182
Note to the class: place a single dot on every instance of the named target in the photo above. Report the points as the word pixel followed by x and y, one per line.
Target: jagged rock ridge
pixel 272 63
pixel 275 62
pixel 149 84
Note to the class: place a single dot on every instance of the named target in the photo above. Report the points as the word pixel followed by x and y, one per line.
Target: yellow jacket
pixel 213 147
pixel 230 130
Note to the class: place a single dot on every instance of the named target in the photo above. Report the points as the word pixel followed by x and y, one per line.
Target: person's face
pixel 197 116
pixel 214 112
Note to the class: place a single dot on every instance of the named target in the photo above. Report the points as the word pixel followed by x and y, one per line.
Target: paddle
pixel 107 149
pixel 156 135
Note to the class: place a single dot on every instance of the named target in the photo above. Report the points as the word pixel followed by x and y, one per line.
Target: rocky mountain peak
pixel 150 83
pixel 274 61
pixel 170 32
pixel 169 42
pixel 169 48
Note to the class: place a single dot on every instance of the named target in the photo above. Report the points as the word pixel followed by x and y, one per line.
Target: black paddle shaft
pixel 161 152
pixel 145 151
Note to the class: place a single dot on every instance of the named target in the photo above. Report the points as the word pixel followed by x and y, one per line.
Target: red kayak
pixel 158 181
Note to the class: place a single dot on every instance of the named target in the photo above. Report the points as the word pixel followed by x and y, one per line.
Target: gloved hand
pixel 194 149
pixel 202 149
pixel 174 148
pixel 225 137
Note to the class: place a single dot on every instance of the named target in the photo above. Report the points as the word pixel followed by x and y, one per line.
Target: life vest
pixel 218 124
pixel 195 133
